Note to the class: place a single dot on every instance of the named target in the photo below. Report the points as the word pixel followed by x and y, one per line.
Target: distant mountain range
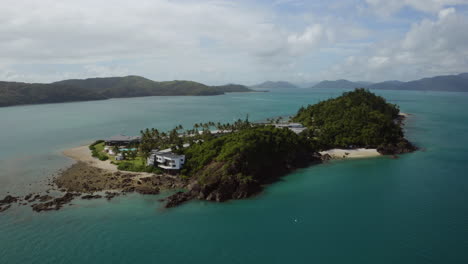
pixel 274 85
pixel 340 84
pixel 449 83
pixel 17 93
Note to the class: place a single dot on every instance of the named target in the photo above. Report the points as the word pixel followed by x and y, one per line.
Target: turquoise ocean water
pixel 408 210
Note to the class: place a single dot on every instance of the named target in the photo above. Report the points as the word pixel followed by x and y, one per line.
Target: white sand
pixel 351 153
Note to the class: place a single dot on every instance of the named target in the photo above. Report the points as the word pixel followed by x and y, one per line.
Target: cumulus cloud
pixel 215 41
pixel 312 37
pixel 93 31
pixel 388 7
pixel 48 75
pixel 430 47
pixel 159 34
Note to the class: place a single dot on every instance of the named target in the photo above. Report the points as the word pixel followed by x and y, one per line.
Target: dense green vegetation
pixel 355 119
pixel 14 93
pixel 338 84
pixel 256 153
pixel 97 150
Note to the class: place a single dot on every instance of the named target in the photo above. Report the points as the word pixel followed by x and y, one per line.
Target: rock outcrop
pixel 8 200
pixel 55 204
pixel 178 199
pixel 90 197
pixel 402 147
pixel 4 208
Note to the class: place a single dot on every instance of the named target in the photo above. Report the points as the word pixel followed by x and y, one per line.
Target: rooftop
pixel 123 138
pixel 169 155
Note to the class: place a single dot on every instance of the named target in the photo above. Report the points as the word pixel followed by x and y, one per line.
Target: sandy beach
pixel 351 153
pixel 90 175
pixel 83 154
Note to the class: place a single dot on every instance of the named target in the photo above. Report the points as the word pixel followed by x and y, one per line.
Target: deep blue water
pixel 381 210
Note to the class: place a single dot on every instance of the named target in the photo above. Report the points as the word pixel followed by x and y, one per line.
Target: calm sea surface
pixel 409 210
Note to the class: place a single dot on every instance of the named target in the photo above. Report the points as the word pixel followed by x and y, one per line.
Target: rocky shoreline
pixel 87 182
pixel 91 179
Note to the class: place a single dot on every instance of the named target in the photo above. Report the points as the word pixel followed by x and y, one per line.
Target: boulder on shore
pixel 4 208
pixel 178 199
pixel 55 204
pixel 8 200
pixel 402 147
pixel 90 196
pixel 147 190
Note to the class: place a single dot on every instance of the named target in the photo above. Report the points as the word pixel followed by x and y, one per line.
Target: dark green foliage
pixel 14 93
pixel 103 157
pixel 358 118
pixel 95 153
pixel 338 84
pixel 255 153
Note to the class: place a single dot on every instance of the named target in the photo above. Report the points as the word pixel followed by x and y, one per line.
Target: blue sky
pixel 221 41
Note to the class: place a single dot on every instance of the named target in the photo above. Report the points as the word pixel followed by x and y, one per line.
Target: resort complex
pixel 122 148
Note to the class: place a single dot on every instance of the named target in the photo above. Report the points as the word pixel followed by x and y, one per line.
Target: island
pixel 220 162
pixel 18 93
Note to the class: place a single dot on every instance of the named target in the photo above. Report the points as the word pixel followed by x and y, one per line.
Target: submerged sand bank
pixel 351 153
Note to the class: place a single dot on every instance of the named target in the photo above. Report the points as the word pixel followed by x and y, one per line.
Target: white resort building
pixel 165 159
pixel 294 127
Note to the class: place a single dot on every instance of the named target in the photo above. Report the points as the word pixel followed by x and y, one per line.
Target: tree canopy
pixel 358 118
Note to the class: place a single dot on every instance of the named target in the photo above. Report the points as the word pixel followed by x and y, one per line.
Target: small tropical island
pixel 221 162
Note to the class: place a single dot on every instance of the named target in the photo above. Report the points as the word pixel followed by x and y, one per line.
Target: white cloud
pixel 159 34
pixel 312 37
pixel 85 71
pixel 218 41
pixel 430 47
pixel 388 7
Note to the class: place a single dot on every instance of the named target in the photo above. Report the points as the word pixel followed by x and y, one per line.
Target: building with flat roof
pixel 295 127
pixel 120 140
pixel 165 159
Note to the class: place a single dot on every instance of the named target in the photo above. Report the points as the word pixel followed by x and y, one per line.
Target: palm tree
pixel 116 150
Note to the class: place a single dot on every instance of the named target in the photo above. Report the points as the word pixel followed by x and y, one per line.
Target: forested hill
pixel 340 84
pixel 355 119
pixel 448 83
pixel 274 85
pixel 16 93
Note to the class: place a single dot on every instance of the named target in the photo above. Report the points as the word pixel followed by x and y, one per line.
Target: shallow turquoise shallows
pixel 408 210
